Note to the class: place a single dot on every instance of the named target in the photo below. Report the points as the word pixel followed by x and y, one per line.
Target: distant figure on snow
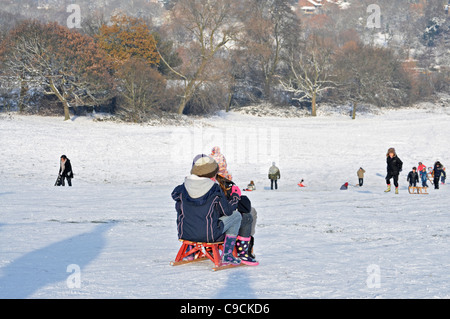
pixel 413 177
pixel 422 170
pixel 300 184
pixel 251 186
pixel 65 171
pixel 344 187
pixel 437 172
pixel 274 176
pixel 360 174
pixel 394 167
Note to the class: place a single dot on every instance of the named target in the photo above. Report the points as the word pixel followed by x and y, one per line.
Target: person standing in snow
pixel 437 172
pixel 421 167
pixel 274 176
pixel 423 176
pixel 360 174
pixel 422 170
pixel 221 161
pixel 413 178
pixel 394 167
pixel 65 171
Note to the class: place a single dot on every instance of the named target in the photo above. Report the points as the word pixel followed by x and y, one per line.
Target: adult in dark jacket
pixel 413 177
pixel 65 171
pixel 394 167
pixel 437 172
pixel 204 213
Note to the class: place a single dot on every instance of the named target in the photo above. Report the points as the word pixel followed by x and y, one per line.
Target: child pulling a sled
pixel 206 214
pixel 413 177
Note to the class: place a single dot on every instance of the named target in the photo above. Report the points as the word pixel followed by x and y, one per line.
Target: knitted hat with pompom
pixel 204 166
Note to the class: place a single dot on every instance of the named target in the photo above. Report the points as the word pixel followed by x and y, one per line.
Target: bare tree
pixel 311 73
pixel 370 74
pixel 209 26
pixel 141 90
pixel 271 29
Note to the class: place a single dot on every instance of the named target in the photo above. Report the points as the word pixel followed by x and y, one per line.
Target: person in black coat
pixel 65 171
pixel 413 177
pixel 394 167
pixel 437 172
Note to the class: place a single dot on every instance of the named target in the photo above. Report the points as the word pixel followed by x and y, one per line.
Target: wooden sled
pixel 417 190
pixel 430 175
pixel 191 251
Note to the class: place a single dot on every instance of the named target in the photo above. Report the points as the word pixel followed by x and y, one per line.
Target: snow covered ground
pixel 113 234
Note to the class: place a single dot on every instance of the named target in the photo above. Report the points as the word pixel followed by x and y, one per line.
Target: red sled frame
pixel 197 251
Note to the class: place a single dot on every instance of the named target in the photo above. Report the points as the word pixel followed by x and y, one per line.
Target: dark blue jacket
pixel 413 177
pixel 438 170
pixel 198 218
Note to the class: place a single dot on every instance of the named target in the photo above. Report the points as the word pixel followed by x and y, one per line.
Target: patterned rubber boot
pixel 396 190
pixel 228 247
pixel 243 251
pixel 388 189
pixel 250 248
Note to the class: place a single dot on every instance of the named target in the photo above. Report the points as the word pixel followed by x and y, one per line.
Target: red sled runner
pixel 191 251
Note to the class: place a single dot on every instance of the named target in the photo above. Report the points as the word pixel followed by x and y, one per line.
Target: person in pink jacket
pixel 220 159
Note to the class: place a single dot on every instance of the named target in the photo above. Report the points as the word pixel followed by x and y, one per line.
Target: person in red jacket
pixel 422 170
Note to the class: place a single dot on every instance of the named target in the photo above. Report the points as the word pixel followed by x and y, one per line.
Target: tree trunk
pixel 268 89
pixel 182 106
pixel 313 105
pixel 23 92
pixel 230 96
pixel 61 99
pixel 190 88
pixel 354 111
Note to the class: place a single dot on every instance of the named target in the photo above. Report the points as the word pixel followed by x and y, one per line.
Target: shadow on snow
pixel 48 265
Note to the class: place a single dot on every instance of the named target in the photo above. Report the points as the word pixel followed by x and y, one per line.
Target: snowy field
pixel 113 234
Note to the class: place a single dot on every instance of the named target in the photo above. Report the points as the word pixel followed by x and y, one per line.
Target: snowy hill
pixel 116 226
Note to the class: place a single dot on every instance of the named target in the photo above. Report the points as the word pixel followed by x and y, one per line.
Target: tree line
pixel 213 55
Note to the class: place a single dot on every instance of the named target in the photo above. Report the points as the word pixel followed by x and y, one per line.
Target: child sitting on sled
pixel 251 186
pixel 246 238
pixel 206 214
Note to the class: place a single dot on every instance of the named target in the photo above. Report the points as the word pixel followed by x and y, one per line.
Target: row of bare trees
pixel 208 55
